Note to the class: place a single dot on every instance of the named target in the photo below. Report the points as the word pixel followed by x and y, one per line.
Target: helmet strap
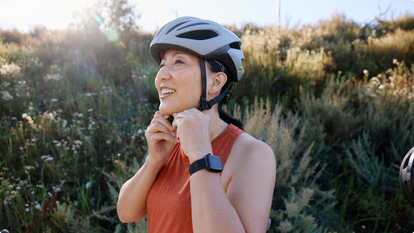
pixel 204 104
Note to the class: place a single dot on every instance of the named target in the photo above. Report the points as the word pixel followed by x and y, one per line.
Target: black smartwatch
pixel 210 162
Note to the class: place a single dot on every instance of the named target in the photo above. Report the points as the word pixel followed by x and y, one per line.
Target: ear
pixel 217 82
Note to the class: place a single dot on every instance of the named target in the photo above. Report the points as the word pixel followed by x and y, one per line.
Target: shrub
pixel 292 211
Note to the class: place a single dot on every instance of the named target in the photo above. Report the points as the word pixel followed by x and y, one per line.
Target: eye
pixel 161 65
pixel 179 62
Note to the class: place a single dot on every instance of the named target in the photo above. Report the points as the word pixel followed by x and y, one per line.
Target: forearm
pixel 212 211
pixel 133 195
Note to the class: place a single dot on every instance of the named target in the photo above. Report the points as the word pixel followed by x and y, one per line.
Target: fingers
pixel 155 137
pixel 192 114
pixel 160 122
pixel 160 129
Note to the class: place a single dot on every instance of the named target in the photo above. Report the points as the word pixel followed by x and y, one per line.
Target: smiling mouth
pixel 167 92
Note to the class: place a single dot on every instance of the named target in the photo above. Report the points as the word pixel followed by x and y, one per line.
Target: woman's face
pixel 178 82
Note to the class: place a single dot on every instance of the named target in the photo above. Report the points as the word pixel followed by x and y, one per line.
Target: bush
pixel 339 117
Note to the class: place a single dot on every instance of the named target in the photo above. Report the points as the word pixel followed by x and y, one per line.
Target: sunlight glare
pixel 54 14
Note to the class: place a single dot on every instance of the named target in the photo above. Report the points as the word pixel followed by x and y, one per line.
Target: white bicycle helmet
pixel 206 39
pixel 407 175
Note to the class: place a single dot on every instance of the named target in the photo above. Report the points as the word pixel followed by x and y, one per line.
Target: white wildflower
pixel 46 157
pixel 7 96
pixel 37 206
pixel 53 77
pixel 29 119
pixel 366 72
pixel 54 100
pixel 88 185
pixel 394 61
pixel 90 110
pixel 77 142
pixel 36 62
pixel 28 167
pixel 90 94
pixel 9 68
pixel 76 114
pixel 49 115
pixel 5 84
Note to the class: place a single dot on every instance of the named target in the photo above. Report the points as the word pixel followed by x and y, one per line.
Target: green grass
pixel 74 106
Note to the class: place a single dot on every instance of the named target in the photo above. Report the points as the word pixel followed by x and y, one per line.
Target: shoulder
pixel 251 148
pixel 251 181
pixel 248 152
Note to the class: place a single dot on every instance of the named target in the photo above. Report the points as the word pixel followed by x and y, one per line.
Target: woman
pixel 202 174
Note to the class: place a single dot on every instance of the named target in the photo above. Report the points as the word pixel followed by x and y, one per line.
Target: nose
pixel 163 74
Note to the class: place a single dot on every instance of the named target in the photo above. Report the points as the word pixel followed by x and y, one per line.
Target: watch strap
pixel 198 165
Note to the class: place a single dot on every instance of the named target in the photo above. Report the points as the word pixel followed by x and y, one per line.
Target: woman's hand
pixel 193 129
pixel 161 139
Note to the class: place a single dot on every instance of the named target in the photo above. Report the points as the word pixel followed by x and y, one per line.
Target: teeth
pixel 167 91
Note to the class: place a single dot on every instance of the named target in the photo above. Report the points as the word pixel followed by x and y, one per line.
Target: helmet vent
pixel 175 27
pixel 235 45
pixel 159 31
pixel 191 25
pixel 199 35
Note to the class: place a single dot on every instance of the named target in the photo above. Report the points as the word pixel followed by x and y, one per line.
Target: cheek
pixel 191 89
pixel 156 82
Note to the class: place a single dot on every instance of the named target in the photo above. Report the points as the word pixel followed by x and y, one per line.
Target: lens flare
pixel 112 34
pixel 98 19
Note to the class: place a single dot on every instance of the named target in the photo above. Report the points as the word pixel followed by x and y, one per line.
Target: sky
pixel 57 14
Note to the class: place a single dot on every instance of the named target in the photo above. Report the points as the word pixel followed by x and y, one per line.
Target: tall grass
pixel 338 115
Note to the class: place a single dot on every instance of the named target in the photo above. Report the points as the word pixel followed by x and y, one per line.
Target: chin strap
pixel 204 104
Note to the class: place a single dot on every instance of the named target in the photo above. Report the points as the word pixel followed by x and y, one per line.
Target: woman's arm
pixel 246 205
pixel 132 201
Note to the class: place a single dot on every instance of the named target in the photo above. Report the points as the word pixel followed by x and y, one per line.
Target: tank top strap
pixel 223 143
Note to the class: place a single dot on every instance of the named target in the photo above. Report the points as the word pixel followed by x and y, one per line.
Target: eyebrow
pixel 173 55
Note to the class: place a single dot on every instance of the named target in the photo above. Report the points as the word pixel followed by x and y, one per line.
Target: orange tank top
pixel 169 200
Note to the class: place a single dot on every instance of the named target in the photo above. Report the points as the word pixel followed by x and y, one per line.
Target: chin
pixel 170 110
pixel 167 110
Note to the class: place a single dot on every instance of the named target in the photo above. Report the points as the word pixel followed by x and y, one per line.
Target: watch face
pixel 214 163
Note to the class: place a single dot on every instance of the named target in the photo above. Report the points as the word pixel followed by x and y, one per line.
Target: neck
pixel 217 125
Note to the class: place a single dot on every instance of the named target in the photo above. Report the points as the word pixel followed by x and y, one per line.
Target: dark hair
pixel 215 66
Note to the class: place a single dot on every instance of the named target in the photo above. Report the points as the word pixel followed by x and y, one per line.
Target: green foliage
pixel 64 119
pixel 291 211
pixel 404 22
pixel 338 116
